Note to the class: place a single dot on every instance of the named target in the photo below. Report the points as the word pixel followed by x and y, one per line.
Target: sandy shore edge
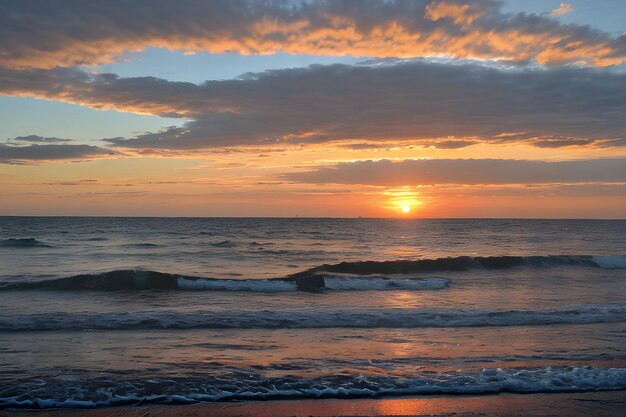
pixel 603 404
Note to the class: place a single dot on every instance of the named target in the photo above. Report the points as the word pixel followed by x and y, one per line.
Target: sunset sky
pixel 426 108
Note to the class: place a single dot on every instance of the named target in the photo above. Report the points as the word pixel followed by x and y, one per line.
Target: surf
pixel 302 319
pixel 344 276
pixel 79 393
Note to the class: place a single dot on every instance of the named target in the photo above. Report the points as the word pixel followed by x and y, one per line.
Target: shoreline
pixel 583 404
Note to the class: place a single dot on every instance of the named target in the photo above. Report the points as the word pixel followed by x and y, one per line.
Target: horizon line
pixel 311 217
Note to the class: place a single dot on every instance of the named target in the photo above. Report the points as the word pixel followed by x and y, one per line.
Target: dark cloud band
pixel 457 105
pixel 466 171
pixel 36 152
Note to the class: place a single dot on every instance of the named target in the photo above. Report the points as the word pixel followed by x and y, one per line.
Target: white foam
pixel 336 283
pixel 611 262
pixel 485 381
pixel 363 284
pixel 255 285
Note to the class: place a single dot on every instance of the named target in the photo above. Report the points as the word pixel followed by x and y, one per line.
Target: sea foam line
pixel 330 283
pixel 106 392
pixel 302 319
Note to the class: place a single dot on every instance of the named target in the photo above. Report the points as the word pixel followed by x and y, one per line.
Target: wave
pixel 329 283
pixel 108 281
pixel 357 318
pixel 246 385
pixel 224 244
pixel 253 285
pixel 383 283
pixel 610 262
pixel 465 263
pixel 23 243
pixel 142 245
pixel 355 276
pixel 128 280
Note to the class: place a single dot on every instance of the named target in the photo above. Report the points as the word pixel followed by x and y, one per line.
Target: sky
pixel 425 108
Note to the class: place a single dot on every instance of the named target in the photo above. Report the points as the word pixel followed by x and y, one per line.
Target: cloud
pixel 564 8
pixel 143 95
pixel 38 139
pixel 75 32
pixel 465 171
pixel 442 105
pixel 440 144
pixel 31 153
pixel 451 144
pixel 551 190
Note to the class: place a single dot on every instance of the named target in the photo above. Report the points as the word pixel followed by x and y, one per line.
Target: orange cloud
pixel 67 34
pixel 416 172
pixel 459 13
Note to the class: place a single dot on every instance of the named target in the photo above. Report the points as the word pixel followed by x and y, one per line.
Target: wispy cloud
pixel 564 8
pixel 38 139
pixel 68 33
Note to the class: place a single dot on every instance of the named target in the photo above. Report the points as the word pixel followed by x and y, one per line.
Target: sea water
pixel 125 311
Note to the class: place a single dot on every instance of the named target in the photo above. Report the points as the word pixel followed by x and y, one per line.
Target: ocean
pixel 99 312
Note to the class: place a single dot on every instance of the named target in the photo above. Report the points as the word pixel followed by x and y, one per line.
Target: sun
pixel 402 201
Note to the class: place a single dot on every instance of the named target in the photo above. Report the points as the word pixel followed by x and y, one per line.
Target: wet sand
pixel 597 404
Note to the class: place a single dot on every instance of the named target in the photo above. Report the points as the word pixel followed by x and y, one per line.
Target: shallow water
pixel 521 306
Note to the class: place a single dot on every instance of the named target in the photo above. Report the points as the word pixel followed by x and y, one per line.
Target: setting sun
pixel 402 200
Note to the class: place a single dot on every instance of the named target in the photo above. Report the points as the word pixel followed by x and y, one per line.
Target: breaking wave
pixel 102 391
pixel 329 283
pixel 354 276
pixel 128 280
pixel 465 263
pixel 610 262
pixel 303 319
pixel 23 243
